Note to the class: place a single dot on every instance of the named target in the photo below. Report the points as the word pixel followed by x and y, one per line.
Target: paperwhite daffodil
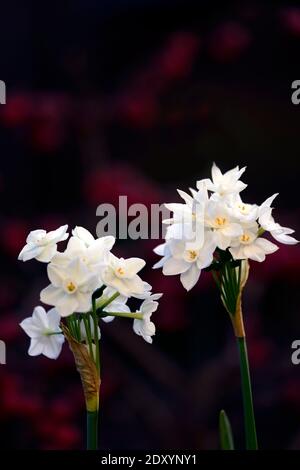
pixel 42 245
pixel 92 255
pixel 241 211
pixel 250 246
pixel 121 274
pixel 225 223
pixel 187 221
pixel 45 333
pixel 146 327
pixel 224 184
pixel 267 222
pixel 224 226
pixel 188 262
pixel 71 287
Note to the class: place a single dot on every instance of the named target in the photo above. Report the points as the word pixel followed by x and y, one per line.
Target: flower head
pixel 42 245
pixel 227 183
pixel 92 255
pixel 121 274
pixel 45 333
pixel 146 327
pixel 71 287
pixel 230 228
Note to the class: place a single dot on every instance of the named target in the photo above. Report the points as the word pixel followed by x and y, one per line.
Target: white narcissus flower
pixel 188 262
pixel 267 222
pixel 243 212
pixel 45 333
pixel 121 274
pixel 71 287
pixel 188 219
pixel 93 255
pixel 42 245
pixel 250 246
pixel 224 226
pixel 224 184
pixel 229 223
pixel 146 327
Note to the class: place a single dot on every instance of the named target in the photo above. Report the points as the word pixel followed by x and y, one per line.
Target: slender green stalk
pixel 138 316
pixel 250 428
pixel 93 416
pixel 96 335
pixel 101 304
pixel 92 430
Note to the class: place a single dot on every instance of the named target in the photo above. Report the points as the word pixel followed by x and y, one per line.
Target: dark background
pixel 137 98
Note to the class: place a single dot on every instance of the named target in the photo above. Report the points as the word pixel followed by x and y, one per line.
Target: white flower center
pixel 190 255
pixel 70 286
pixel 246 238
pixel 244 208
pixel 120 272
pixel 220 222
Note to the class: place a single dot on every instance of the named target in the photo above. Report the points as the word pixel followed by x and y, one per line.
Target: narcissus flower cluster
pixel 86 270
pixel 215 219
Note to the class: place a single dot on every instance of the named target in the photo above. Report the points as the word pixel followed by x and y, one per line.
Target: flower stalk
pixel 231 278
pixel 249 418
pixel 90 379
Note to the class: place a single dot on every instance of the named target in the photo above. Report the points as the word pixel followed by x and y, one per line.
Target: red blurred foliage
pixel 17 110
pixel 290 18
pixel 138 104
pixel 107 184
pixel 13 234
pixel 228 41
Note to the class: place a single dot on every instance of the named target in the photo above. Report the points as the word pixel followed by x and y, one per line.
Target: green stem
pixel 138 316
pixel 93 417
pixel 101 304
pixel 96 336
pixel 92 430
pixel 250 429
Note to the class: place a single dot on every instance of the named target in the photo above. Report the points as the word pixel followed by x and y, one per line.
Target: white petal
pixel 35 235
pixel 53 319
pixel 29 251
pixel 133 266
pixel 160 249
pixel 52 295
pixel 36 347
pixel 135 285
pixel 84 301
pixel 160 263
pixel 267 246
pixel 55 274
pixel 67 306
pixel 185 196
pixel 57 235
pixel 190 277
pixel 108 319
pixel 84 235
pixel 232 230
pixel 254 252
pixel 175 266
pixel 53 346
pixel 47 253
pixel 216 174
pixel 283 237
